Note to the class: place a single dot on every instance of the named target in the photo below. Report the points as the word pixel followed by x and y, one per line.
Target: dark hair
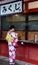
pixel 12 26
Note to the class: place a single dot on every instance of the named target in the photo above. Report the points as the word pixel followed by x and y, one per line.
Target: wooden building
pixel 26 24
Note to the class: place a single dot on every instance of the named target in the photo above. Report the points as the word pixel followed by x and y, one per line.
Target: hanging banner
pixel 32 5
pixel 11 8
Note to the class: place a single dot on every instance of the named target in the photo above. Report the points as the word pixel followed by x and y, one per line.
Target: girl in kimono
pixel 12 41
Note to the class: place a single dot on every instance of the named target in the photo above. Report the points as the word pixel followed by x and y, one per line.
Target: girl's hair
pixel 12 26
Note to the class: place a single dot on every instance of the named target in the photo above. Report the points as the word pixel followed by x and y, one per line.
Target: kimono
pixel 11 46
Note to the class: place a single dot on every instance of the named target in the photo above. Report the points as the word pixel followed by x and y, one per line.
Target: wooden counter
pixel 3 48
pixel 27 52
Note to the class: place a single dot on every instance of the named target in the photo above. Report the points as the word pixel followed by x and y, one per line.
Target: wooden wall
pixel 21 35
pixel 31 35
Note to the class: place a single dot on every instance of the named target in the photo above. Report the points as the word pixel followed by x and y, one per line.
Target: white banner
pixel 11 8
pixel 32 5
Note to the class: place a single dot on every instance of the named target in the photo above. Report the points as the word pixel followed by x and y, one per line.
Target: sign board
pixel 33 5
pixel 11 8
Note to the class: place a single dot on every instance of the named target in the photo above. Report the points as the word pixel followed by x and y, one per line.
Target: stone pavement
pixel 5 61
pixel 2 62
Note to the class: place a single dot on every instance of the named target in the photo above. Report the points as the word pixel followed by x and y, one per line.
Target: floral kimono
pixel 11 45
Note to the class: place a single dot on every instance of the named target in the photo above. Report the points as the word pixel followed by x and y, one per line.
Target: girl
pixel 12 41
